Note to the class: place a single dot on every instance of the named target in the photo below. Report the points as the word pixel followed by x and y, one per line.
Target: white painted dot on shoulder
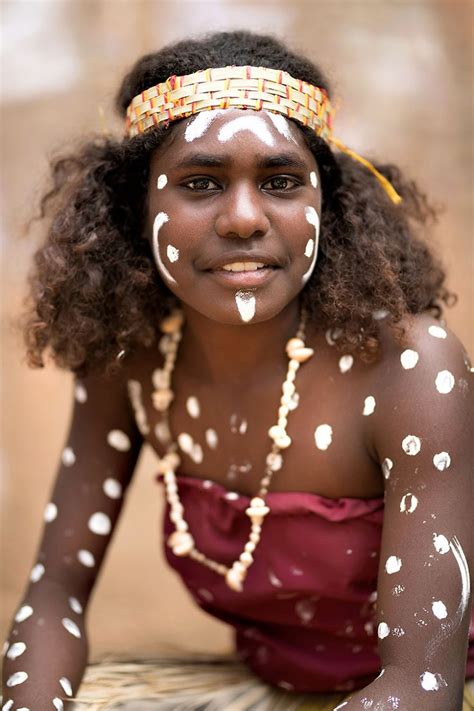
pixel 71 627
pixel 323 436
pixel 80 393
pixel 112 488
pixel 345 363
pixel 37 572
pixel 387 466
pixel 16 650
pixel 66 685
pixel 192 406
pixel 432 682
pixel 8 705
pixel 75 605
pixel 411 445
pixel 58 704
pixel 369 405
pixel 442 461
pixel 211 438
pixel 23 613
pixel 409 359
pixel 437 332
pixel 68 457
pixel 393 564
pixel 118 440
pixel 50 512
pixel 86 558
pixel 18 677
pixel 441 543
pixel 444 382
pixel 439 609
pixel 100 524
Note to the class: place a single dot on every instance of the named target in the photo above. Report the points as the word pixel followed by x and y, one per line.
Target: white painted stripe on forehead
pixel 255 124
pixel 198 126
pixel 282 125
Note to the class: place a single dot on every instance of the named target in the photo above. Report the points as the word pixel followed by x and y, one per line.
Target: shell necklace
pixel 181 541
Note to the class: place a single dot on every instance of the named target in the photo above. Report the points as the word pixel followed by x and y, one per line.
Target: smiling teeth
pixel 243 266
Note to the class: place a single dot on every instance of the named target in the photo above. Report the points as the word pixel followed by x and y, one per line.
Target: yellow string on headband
pixel 247 87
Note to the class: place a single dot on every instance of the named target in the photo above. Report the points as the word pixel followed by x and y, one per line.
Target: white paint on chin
pixel 255 124
pixel 246 304
pixel 313 218
pixel 282 125
pixel 198 126
pixel 160 220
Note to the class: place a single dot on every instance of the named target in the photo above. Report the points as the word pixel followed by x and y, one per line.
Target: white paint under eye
pixel 439 609
pixel 408 503
pixel 75 605
pixel 172 253
pixel 441 543
pixel 100 524
pixel 58 704
pixel 442 461
pixel 409 359
pixel 86 558
pixel 313 218
pixel 444 382
pixel 160 220
pixel 458 553
pixel 193 407
pixel 23 613
pixel 308 250
pixel 161 182
pixel 431 682
pixel 255 124
pixel 383 630
pixel 387 466
pixel 68 457
pixel 437 332
pixel 313 179
pixel 17 678
pixel 37 572
pixel 246 304
pixel 80 393
pixel 185 442
pixel 50 512
pixel 134 388
pixel 345 363
pixel 118 440
pixel 212 438
pixel 411 445
pixel 198 126
pixel 112 488
pixel 71 627
pixel 16 650
pixel 393 564
pixel 369 405
pixel 282 125
pixel 323 436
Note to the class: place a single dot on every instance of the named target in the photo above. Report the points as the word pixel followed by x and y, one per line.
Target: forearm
pixel 47 653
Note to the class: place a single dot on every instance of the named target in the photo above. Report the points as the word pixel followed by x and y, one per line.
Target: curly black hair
pixel 94 291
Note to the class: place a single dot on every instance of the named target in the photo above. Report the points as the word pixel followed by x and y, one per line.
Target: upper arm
pixel 424 582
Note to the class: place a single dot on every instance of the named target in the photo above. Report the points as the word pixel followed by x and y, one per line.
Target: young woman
pixel 231 285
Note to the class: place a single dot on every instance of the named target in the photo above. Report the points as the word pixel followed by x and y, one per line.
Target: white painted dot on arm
pixel 66 685
pixel 441 543
pixel 50 512
pixel 193 407
pixel 100 524
pixel 444 382
pixel 37 572
pixel 161 182
pixel 437 332
pixel 196 453
pixel 439 609
pixel 345 363
pixel 16 650
pixel 411 445
pixel 71 627
pixel 86 558
pixel 75 605
pixel 431 682
pixel 68 457
pixel 212 439
pixel 112 488
pixel 408 503
pixel 8 705
pixel 23 613
pixel 80 393
pixel 58 704
pixel 118 440
pixel 383 630
pixel 18 677
pixel 442 461
pixel 369 405
pixel 387 466
pixel 185 442
pixel 393 564
pixel 409 359
pixel 323 436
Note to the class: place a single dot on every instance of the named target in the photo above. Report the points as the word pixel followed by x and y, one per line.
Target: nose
pixel 242 213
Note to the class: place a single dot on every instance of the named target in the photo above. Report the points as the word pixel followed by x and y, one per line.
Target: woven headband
pixel 257 88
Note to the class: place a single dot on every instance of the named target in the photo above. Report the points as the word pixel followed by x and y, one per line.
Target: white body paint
pixel 75 605
pixel 408 503
pixel 345 363
pixel 308 250
pixel 212 438
pixel 37 572
pixel 409 359
pixel 160 220
pixel 431 682
pixel 112 488
pixel 196 454
pixel 161 182
pixel 255 124
pixel 246 304
pixel 172 253
pixel 198 126
pixel 393 564
pixel 439 609
pixel 71 627
pixel 8 706
pixel 442 461
pixel 444 382
pixel 17 678
pixel 58 704
pixel 383 630
pixel 86 558
pixel 411 445
pixel 100 524
pixel 437 332
pixel 16 650
pixel 313 218
pixel 23 613
pixel 369 405
pixel 323 436
pixel 458 553
pixel 387 466
pixel 118 440
pixel 313 179
pixel 185 442
pixel 80 393
pixel 282 125
pixel 193 407
pixel 441 543
pixel 50 512
pixel 68 457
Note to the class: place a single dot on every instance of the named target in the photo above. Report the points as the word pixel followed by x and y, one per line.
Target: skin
pixel 235 371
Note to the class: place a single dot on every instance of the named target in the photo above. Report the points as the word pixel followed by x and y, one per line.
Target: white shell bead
pixel 283 442
pixel 301 354
pixel 162 399
pixel 172 323
pixel 181 543
pixel 246 558
pixel 276 432
pixel 160 379
pixel 234 580
pixel 294 343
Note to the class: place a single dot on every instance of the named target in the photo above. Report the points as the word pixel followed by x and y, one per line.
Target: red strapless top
pixel 305 620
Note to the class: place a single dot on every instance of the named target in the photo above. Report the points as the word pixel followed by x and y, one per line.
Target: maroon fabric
pixel 305 619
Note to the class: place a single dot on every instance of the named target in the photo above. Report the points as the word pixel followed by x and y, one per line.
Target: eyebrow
pixel 204 160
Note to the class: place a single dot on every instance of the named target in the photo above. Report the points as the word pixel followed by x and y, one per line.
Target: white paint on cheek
pixel 66 685
pixel 313 218
pixel 393 564
pixel 75 605
pixel 193 407
pixel 442 461
pixel 383 630
pixel 50 512
pixel 437 332
pixel 198 126
pixel 444 382
pixel 100 524
pixel 160 220
pixel 86 558
pixel 345 363
pixel 411 445
pixel 37 572
pixel 23 613
pixel 387 466
pixel 71 627
pixel 323 436
pixel 458 553
pixel 118 440
pixel 16 650
pixel 246 304
pixel 369 405
pixel 211 438
pixel 58 704
pixel 431 682
pixel 112 488
pixel 441 543
pixel 161 182
pixel 313 179
pixel 17 678
pixel 255 124
pixel 80 393
pixel 408 503
pixel 68 457
pixel 308 250
pixel 172 253
pixel 439 609
pixel 409 359
pixel 282 125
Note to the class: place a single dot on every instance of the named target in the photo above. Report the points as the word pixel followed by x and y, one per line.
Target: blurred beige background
pixel 404 73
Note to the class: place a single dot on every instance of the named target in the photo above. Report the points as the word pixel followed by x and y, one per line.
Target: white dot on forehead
pixel 439 609
pixel 314 179
pixel 68 457
pixel 23 613
pixel 112 488
pixel 192 406
pixel 444 382
pixel 16 650
pixel 17 678
pixel 442 461
pixel 387 466
pixel 71 627
pixel 256 124
pixel 393 564
pixel 441 543
pixel 411 445
pixel 86 558
pixel 199 125
pixel 345 363
pixel 37 572
pixel 323 436
pixel 80 393
pixel 172 253
pixel 100 524
pixel 50 512
pixel 211 438
pixel 409 359
pixel 369 405
pixel 161 182
pixel 75 605
pixel 118 440
pixel 437 332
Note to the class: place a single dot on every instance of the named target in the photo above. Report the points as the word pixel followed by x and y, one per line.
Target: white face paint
pixel 308 250
pixel 408 503
pixel 100 524
pixel 411 445
pixel 160 220
pixel 255 124
pixel 437 332
pixel 118 440
pixel 71 627
pixel 313 218
pixel 282 125
pixel 383 630
pixel 442 461
pixel 369 405
pixel 68 457
pixel 409 359
pixel 246 304
pixel 193 407
pixel 17 678
pixel 198 126
pixel 80 393
pixel 172 253
pixel 37 572
pixel 16 650
pixel 313 179
pixel 444 382
pixel 439 609
pixel 75 605
pixel 387 466
pixel 323 436
pixel 431 682
pixel 86 558
pixel 50 512
pixel 161 182
pixel 112 488
pixel 211 438
pixel 393 564
pixel 23 613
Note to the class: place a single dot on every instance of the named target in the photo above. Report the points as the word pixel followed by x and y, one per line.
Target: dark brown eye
pixel 201 184
pixel 280 182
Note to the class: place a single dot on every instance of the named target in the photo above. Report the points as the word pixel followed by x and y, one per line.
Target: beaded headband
pixel 247 87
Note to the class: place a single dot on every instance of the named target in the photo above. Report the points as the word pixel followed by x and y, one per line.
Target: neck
pixel 229 355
